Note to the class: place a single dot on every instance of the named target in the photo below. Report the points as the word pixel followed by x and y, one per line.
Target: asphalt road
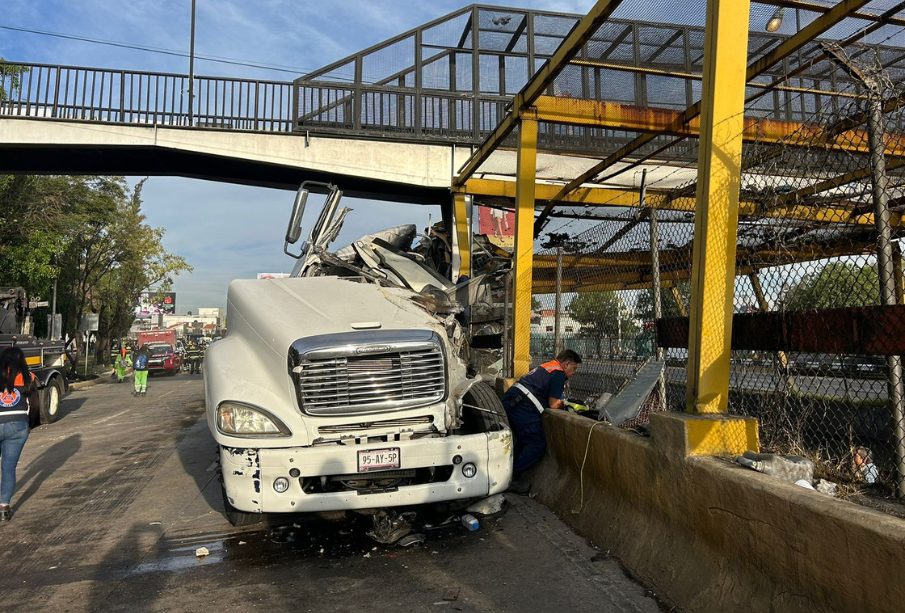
pixel 115 498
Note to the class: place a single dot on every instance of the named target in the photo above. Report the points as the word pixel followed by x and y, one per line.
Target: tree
pixel 10 78
pixel 603 315
pixel 836 285
pixel 89 235
pixel 668 305
pixel 141 263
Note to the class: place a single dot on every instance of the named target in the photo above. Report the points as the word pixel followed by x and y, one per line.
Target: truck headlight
pixel 240 419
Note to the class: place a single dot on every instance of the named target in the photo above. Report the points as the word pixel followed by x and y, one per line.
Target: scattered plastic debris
pixel 488 506
pixel 411 539
pixel 471 522
pixel 201 552
pixel 787 468
pixel 241 542
pixel 825 487
pixel 154 523
pixel 390 526
pixel 805 484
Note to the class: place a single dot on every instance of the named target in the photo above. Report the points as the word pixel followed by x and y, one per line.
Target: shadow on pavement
pixel 50 460
pixel 120 581
pixel 70 405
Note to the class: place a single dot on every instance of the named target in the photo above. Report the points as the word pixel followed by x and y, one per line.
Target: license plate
pixel 378 459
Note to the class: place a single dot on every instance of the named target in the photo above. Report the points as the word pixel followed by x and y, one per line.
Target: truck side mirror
pixel 294 231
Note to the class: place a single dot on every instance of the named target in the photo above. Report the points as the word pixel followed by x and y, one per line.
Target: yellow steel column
pixel 524 243
pixel 463 234
pixel 716 211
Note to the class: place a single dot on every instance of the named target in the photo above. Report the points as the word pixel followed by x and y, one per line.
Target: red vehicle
pixel 163 359
pixel 156 337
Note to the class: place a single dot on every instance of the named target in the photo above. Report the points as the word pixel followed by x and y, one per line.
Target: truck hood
pixel 279 311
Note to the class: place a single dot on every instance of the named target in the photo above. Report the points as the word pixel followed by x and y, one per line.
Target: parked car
pixel 163 359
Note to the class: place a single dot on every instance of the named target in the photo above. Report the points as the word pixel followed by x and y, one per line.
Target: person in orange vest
pixel 122 363
pixel 15 383
pixel 525 401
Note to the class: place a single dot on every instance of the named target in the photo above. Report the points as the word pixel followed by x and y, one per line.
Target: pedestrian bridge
pixel 716 203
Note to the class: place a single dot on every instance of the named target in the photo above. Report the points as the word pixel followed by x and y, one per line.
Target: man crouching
pixel 525 401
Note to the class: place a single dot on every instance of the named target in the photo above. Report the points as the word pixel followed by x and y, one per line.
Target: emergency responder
pixel 194 353
pixel 140 374
pixel 525 401
pixel 122 362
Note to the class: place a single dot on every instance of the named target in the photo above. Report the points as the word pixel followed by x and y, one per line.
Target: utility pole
pixel 192 69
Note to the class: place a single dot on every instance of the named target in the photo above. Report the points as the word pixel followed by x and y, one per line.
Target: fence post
pixel 56 93
pixel 557 307
pixel 885 266
pixel 655 282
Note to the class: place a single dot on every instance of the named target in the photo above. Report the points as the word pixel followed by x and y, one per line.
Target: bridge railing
pixel 146 98
pixel 399 111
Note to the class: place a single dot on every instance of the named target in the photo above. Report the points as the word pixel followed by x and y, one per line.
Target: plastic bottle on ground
pixel 471 522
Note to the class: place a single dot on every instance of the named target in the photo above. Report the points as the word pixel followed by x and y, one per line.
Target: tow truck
pixel 47 359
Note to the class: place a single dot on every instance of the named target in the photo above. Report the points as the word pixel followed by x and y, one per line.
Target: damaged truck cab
pixel 346 392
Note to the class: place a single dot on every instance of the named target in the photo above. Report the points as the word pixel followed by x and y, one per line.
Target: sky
pixel 206 222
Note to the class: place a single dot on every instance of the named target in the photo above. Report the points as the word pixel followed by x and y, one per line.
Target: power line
pixel 172 52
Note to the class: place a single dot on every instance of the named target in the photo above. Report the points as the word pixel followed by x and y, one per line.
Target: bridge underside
pixel 397 172
pixel 161 162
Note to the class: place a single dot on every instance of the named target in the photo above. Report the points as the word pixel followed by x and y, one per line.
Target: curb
pixel 101 378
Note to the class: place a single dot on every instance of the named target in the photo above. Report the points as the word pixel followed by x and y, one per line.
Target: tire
pixel 491 418
pixel 238 518
pixel 50 401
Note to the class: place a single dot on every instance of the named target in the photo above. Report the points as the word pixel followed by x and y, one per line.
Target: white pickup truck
pixel 343 387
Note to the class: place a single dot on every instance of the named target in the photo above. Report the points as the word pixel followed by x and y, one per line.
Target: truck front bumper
pixel 249 473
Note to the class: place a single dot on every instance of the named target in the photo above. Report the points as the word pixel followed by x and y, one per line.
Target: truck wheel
pixel 491 417
pixel 236 517
pixel 50 401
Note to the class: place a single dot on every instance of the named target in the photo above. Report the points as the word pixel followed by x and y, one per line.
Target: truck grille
pixel 361 383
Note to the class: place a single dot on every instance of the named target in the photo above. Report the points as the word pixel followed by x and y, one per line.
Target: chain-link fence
pixel 812 248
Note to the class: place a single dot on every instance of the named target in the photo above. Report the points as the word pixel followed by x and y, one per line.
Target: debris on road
pixel 202 552
pixel 488 506
pixel 411 539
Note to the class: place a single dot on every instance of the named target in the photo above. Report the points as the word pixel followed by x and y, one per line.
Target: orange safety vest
pixel 15 401
pixel 535 384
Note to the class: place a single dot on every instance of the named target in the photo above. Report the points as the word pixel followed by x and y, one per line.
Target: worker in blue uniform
pixel 525 401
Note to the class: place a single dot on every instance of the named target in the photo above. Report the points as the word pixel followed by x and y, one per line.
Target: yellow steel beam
pixel 576 38
pixel 716 217
pixel 609 197
pixel 524 245
pixel 763 255
pixel 859 174
pixel 680 302
pixel 786 48
pixel 603 114
pixel 669 72
pixel 618 280
pixel 463 233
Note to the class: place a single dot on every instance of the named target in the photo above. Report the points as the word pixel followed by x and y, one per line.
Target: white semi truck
pixel 345 386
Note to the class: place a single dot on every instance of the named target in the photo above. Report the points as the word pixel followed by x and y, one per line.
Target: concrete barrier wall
pixel 707 535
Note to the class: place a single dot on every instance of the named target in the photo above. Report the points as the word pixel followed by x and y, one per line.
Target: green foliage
pixel 89 234
pixel 603 315
pixel 10 78
pixel 668 305
pixel 836 285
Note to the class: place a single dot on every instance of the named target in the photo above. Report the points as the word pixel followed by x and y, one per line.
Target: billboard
pixel 273 275
pixel 498 225
pixel 155 303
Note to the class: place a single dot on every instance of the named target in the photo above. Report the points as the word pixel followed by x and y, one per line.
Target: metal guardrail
pixel 144 98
